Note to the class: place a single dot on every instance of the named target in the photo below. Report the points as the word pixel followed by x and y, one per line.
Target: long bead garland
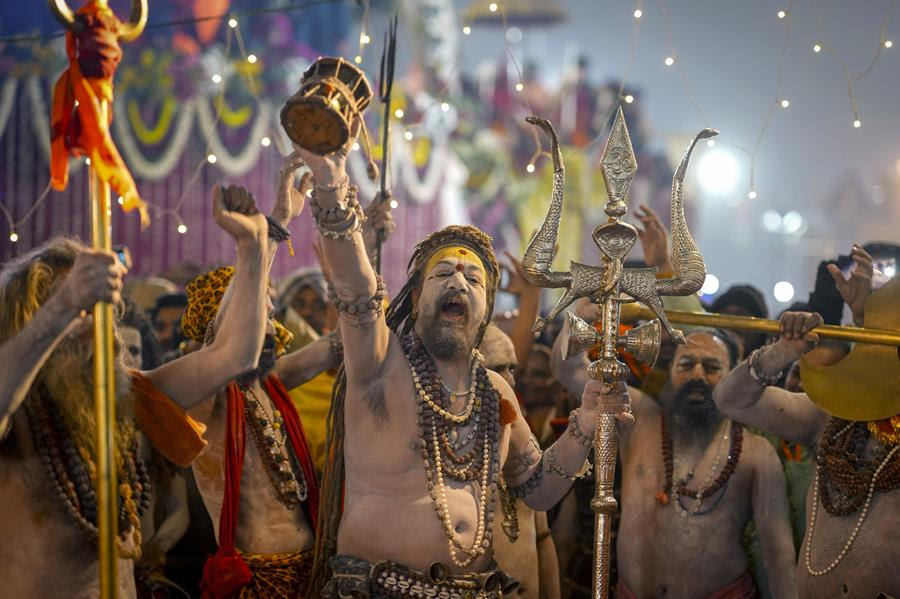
pixel 437 429
pixel 73 473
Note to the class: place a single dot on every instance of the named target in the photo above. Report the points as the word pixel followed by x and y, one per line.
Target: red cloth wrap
pixel 226 573
pixel 742 588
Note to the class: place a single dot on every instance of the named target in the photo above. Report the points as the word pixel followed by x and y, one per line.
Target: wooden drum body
pixel 333 93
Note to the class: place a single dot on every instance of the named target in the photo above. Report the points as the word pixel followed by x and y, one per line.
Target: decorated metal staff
pixel 80 127
pixel 385 86
pixel 610 285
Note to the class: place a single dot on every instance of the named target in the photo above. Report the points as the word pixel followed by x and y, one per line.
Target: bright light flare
pixel 783 292
pixel 710 285
pixel 718 172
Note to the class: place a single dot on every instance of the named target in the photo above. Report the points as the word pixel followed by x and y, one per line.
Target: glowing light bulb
pixel 530 168
pixel 14 237
pixel 355 146
pixel 857 123
pixel 216 78
pixel 710 285
pixel 782 14
pixel 638 13
pixel 520 87
pixel 364 38
pixel 669 61
pixel 182 228
pixel 251 58
pixel 492 7
pixel 121 201
pixel 211 158
pixel 467 30
pixel 710 143
pixel 791 222
pixel 772 221
pixel 399 113
pixel 783 292
pixel 888 44
pixel 394 204
pixel 265 141
pixel 87 161
pixel 785 103
pixel 817 48
pixel 357 59
pixel 752 194
pixel 445 107
pixel 232 22
pixel 629 99
pixel 408 136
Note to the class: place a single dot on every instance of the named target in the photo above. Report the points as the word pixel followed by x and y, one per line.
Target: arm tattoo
pixel 516 465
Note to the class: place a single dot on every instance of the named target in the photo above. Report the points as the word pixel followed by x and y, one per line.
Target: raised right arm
pixel 356 289
pixel 95 276
pixel 743 397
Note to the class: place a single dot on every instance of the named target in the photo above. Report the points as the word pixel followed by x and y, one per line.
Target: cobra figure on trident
pixel 610 285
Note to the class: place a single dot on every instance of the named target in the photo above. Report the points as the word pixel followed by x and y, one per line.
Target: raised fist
pixel 234 209
pixel 796 330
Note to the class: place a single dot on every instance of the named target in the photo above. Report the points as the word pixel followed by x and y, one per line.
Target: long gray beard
pixel 68 377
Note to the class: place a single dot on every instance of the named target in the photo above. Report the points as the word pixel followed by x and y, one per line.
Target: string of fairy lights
pixel 820 47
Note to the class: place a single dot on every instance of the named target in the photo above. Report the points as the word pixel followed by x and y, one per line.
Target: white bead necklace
pixel 859 520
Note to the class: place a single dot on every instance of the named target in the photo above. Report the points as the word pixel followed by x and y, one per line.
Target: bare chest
pixel 40 537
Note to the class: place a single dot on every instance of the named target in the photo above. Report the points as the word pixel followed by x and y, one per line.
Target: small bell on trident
pixel 610 285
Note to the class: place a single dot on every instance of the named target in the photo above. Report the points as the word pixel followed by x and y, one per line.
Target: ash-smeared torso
pixel 388 511
pixel 44 553
pixel 265 524
pixel 869 568
pixel 663 553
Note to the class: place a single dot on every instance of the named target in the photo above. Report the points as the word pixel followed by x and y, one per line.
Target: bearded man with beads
pixel 852 509
pixel 420 430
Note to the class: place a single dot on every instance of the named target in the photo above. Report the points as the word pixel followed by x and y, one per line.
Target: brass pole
pixel 104 392
pixel 762 325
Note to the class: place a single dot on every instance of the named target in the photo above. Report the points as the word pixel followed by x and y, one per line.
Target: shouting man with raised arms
pixel 426 428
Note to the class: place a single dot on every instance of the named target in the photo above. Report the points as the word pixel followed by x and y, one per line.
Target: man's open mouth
pixel 455 308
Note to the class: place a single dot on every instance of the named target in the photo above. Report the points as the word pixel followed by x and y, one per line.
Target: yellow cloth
pixel 455 252
pixel 312 400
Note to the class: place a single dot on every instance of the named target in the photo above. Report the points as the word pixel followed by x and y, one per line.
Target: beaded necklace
pixel 707 490
pixel 73 474
pixel 844 474
pixel 271 441
pixel 828 441
pixel 480 464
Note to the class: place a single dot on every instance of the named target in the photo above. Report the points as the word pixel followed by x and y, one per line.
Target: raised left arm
pixel 541 480
pixel 196 377
pixel 772 518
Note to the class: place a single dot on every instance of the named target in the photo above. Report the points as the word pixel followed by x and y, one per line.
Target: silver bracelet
pixel 363 313
pixel 756 372
pixel 585 469
pixel 339 222
pixel 342 182
pixel 585 440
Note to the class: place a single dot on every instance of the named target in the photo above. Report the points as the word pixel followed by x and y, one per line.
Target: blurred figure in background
pixel 166 319
pixel 743 300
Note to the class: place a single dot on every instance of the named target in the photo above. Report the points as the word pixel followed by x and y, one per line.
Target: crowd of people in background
pixel 737 487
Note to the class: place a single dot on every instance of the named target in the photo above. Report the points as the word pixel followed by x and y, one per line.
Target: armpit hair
pixel 373 394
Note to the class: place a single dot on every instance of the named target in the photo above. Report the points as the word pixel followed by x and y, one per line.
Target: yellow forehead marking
pixel 456 253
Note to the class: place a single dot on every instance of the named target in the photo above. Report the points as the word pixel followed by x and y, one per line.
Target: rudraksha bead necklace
pixel 706 491
pixel 437 427
pixel 73 475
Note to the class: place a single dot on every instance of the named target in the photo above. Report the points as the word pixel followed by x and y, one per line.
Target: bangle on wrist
pixel 757 374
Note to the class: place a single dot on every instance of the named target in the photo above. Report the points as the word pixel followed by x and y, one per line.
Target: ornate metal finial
pixel 618 165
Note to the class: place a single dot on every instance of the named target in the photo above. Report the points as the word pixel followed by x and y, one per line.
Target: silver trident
pixel 610 285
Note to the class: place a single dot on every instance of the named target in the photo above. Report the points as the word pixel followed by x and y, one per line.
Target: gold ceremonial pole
pixel 762 325
pixel 104 392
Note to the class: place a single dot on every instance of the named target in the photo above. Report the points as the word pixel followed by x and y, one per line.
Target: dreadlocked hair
pixel 399 320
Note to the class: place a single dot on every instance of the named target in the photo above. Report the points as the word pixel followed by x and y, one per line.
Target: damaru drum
pixel 333 93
